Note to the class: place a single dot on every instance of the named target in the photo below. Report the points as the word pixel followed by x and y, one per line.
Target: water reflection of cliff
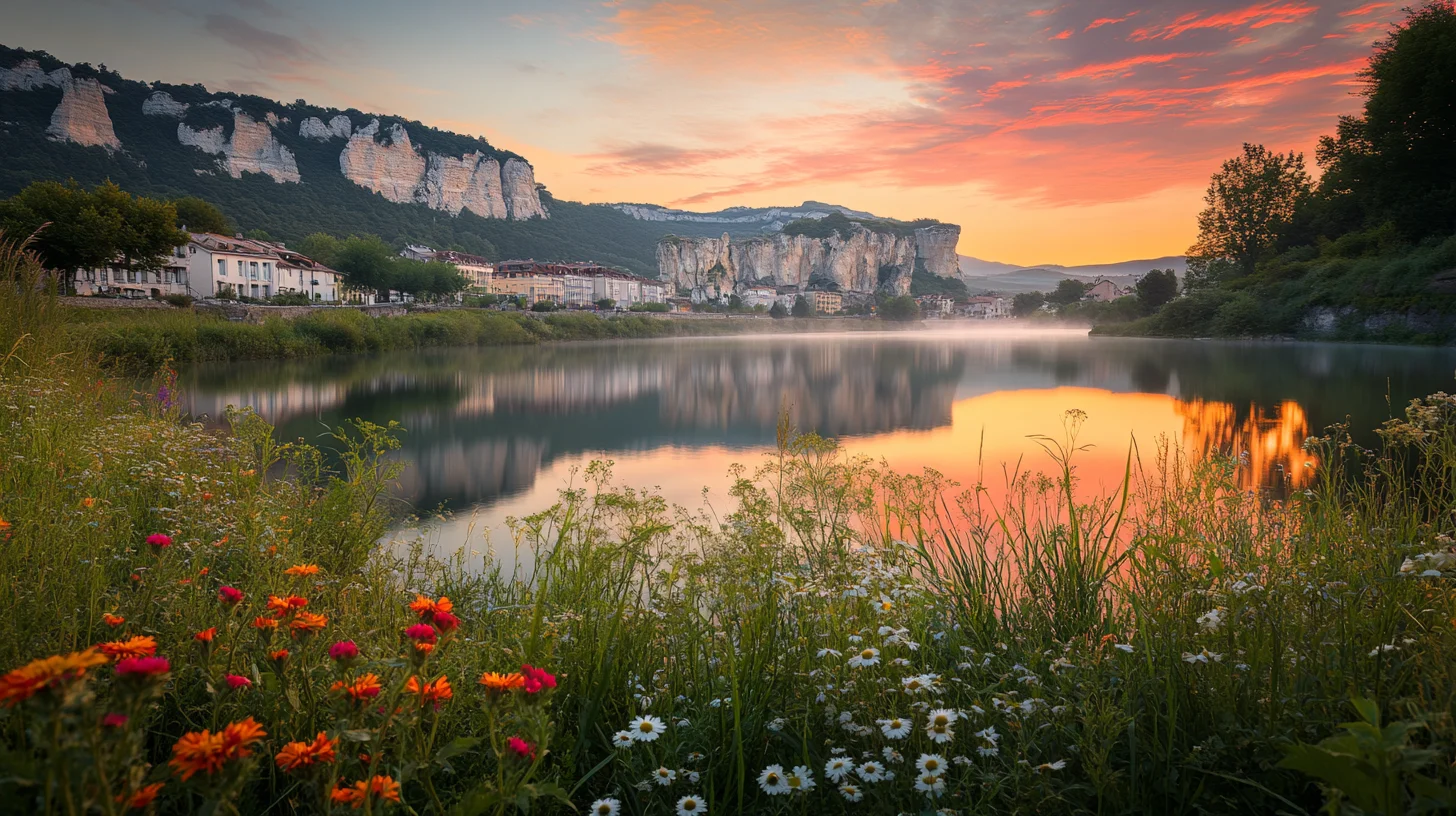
pixel 1269 445
pixel 482 423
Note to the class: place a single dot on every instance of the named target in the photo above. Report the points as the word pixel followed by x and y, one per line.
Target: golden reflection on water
pixel 1270 444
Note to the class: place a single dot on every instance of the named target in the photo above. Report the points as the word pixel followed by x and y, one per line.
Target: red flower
pixel 521 748
pixel 206 635
pixel 237 681
pixel 344 650
pixel 113 620
pixel 143 667
pixel 114 720
pixel 159 540
pixel 422 632
pixel 446 622
pixel 230 596
pixel 537 679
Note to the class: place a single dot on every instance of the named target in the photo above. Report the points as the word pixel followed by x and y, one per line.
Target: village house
pixel 574 284
pixel 1104 291
pixel 935 305
pixel 988 307
pixel 219 266
pixel 756 295
pixel 477 270
pixel 118 281
pixel 826 302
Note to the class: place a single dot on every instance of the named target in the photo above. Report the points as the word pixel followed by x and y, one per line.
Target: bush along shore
pixel 190 632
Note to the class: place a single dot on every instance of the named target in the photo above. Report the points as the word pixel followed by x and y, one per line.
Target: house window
pixel 253 270
pixel 240 270
pixel 222 269
pixel 267 271
pixel 105 276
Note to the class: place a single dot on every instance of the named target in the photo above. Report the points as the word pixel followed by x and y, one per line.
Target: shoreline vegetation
pixel 190 632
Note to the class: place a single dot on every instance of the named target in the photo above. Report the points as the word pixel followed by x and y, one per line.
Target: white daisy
pixel 606 807
pixel 871 771
pixel 772 780
pixel 933 764
pixel 943 716
pixel 1052 766
pixel 930 784
pixel 828 651
pixel 867 657
pixel 837 768
pixel 801 779
pixel 646 729
pixel 895 728
pixel 777 724
pixel 664 776
pixel 1125 647
pixel 623 739
pixel 1212 619
pixel 851 792
pixel 691 805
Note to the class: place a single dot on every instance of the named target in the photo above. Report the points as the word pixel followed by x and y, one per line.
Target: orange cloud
pixel 1258 16
pixel 1368 8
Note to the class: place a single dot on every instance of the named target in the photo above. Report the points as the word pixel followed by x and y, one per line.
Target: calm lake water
pixel 497 432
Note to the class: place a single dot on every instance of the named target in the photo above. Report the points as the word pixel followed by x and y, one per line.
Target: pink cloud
pixel 1368 8
pixel 1254 17
pixel 1063 35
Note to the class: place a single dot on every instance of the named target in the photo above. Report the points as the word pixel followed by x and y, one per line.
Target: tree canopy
pixel 1248 202
pixel 79 229
pixel 1157 287
pixel 196 215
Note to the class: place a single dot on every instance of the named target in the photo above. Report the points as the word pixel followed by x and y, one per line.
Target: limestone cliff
pixel 856 259
pixel 251 149
pixel 402 173
pixel 314 128
pixel 81 116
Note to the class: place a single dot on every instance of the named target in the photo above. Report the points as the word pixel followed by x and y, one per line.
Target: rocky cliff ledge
pixel 251 149
pixel 81 116
pixel 853 259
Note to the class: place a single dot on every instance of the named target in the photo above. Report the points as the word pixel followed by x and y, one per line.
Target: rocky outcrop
pixel 313 127
pixel 81 117
pixel 252 148
pixel 863 260
pixel 161 103
pixel 401 173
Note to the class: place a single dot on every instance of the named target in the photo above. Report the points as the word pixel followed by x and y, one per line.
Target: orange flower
pixel 140 646
pixel 265 623
pixel 4 525
pixel 206 752
pixel 364 687
pixel 278 656
pixel 113 620
pixel 435 692
pixel 427 608
pixel 144 796
pixel 306 623
pixel 206 635
pixel 24 682
pixel 300 756
pixel 501 683
pixel 282 606
pixel 381 788
pixel 302 570
pixel 88 502
pixel 424 648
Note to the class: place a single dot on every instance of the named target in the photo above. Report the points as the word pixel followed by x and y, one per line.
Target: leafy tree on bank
pixel 900 308
pixel 1397 161
pixel 802 307
pixel 1026 303
pixel 1067 291
pixel 1249 201
pixel 85 229
pixel 1157 287
pixel 196 215
pixel 777 311
pixel 606 304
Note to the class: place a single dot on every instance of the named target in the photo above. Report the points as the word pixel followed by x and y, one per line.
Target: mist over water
pixel 496 432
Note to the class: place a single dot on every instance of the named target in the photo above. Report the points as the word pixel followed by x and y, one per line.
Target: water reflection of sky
pixel 500 431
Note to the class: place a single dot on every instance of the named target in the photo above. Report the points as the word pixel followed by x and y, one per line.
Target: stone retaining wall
pixel 253 313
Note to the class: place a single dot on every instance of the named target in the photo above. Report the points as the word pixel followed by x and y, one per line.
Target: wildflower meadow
pixel 202 622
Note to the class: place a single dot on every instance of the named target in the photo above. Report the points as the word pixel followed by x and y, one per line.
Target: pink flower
pixel 446 622
pixel 344 650
pixel 114 720
pixel 521 748
pixel 421 632
pixel 537 679
pixel 237 681
pixel 143 667
pixel 159 540
pixel 230 595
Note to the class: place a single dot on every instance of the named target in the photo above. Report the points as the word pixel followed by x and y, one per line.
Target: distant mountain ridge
pixel 743 220
pixel 994 276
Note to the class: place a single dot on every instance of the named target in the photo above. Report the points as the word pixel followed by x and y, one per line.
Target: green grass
pixel 1077 628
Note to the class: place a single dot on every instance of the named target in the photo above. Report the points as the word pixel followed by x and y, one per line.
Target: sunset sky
pixel 1074 132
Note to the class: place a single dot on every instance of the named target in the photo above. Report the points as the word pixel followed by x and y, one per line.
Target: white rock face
pixel 401 173
pixel 519 182
pixel 936 248
pixel 252 148
pixel 81 117
pixel 161 103
pixel 720 265
pixel 314 128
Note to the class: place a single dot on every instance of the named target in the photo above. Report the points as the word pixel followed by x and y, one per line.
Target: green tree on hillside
pixel 901 308
pixel 81 229
pixel 196 215
pixel 1067 291
pixel 1026 303
pixel 1157 287
pixel 1397 161
pixel 320 247
pixel 802 307
pixel 1249 200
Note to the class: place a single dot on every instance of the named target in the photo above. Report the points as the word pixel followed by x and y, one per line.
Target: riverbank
pixel 146 339
pixel 904 644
